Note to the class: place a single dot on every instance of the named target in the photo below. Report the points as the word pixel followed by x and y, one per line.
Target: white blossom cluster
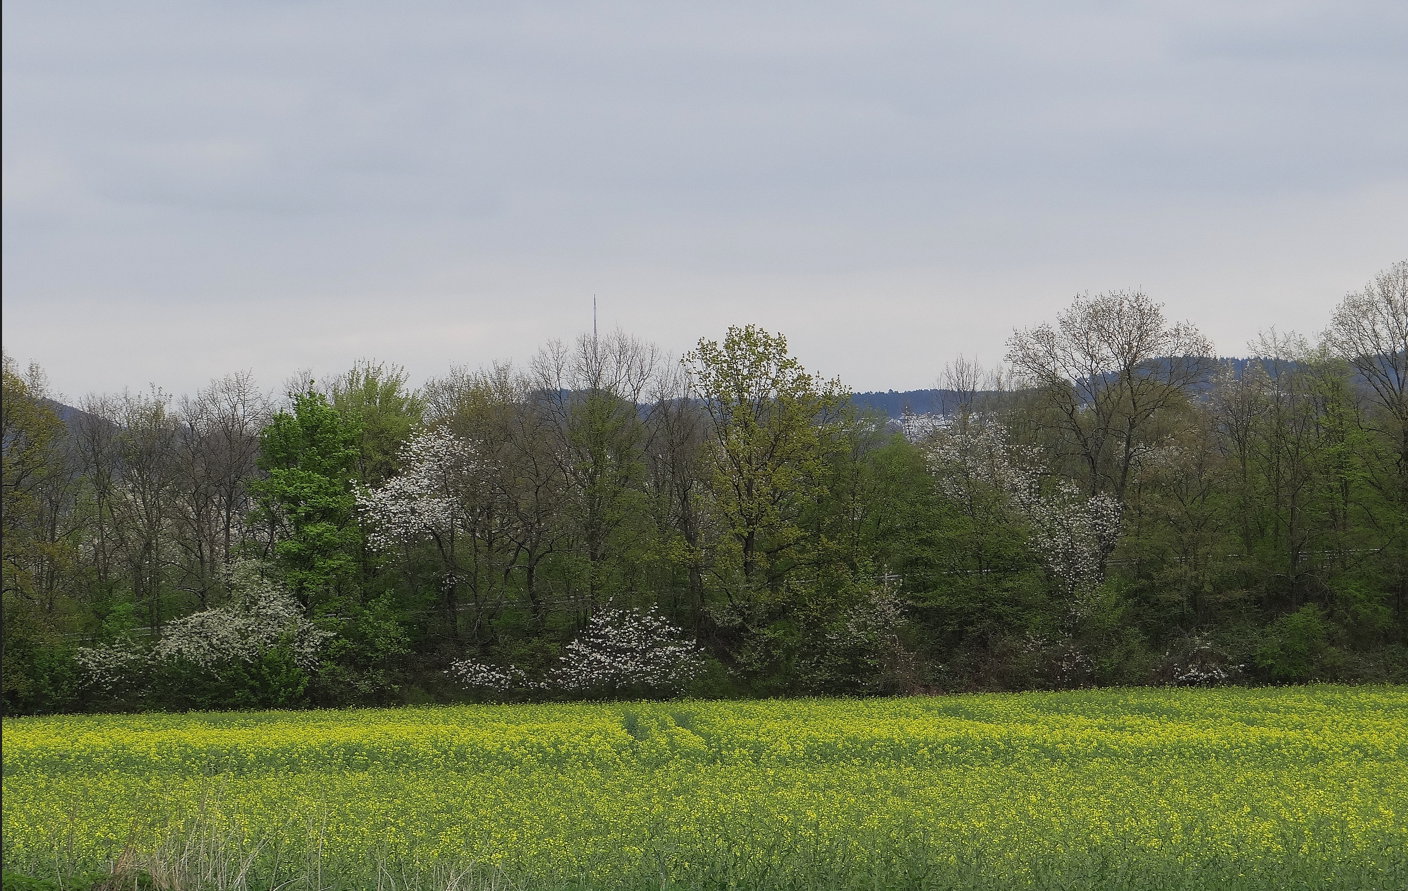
pixel 976 460
pixel 478 676
pixel 426 496
pixel 623 648
pixel 111 665
pixel 875 620
pixel 868 642
pixel 1202 664
pixel 259 617
pixel 1202 676
pixel 620 649
pixel 1071 534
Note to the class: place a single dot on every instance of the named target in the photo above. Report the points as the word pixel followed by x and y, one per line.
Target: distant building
pixel 919 426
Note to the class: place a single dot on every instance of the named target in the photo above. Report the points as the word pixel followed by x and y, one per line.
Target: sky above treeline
pixel 195 188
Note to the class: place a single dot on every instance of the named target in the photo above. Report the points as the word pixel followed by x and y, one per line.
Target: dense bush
pixel 1297 647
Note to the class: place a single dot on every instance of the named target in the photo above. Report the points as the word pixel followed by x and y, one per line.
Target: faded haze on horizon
pixel 192 189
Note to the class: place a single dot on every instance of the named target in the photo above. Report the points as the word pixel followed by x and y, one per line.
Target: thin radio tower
pixel 596 344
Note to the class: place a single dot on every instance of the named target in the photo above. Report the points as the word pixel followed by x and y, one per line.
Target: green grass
pixel 1131 789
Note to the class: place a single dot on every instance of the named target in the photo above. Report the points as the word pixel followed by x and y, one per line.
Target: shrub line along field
pixel 1155 788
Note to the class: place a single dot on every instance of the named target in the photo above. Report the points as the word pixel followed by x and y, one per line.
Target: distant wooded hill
pixel 894 404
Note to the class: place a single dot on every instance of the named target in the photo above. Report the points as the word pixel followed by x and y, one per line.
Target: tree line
pixel 1111 506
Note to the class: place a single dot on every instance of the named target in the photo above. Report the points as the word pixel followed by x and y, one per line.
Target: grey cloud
pixel 504 161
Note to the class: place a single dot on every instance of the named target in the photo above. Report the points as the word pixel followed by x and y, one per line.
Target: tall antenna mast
pixel 593 318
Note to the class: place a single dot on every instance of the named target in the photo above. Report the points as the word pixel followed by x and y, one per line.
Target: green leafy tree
pixel 779 496
pixel 772 424
pixel 32 435
pixel 386 412
pixel 307 499
pixel 35 496
pixel 377 399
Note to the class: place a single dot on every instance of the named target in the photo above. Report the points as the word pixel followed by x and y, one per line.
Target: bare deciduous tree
pixel 1107 367
pixel 143 502
pixel 591 394
pixel 1369 330
pixel 215 457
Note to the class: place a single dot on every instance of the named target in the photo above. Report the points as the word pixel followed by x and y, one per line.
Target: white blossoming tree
pixel 1072 535
pixel 436 497
pixel 260 616
pixel 623 650
pixel 427 499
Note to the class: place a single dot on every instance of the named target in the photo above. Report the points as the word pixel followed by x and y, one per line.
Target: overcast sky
pixel 194 188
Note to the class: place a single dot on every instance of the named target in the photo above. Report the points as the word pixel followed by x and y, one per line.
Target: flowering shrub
pixel 620 650
pixel 1198 662
pixel 876 620
pixel 623 649
pixel 491 678
pixel 863 650
pixel 259 617
pixel 110 667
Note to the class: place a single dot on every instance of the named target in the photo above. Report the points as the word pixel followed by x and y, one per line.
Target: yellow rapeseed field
pixel 1227 788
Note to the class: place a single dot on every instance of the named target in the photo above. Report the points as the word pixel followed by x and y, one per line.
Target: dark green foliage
pixel 272 680
pixel 10 881
pixel 365 662
pixel 1297 647
pixel 41 676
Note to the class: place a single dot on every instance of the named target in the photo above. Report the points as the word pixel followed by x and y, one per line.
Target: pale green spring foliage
pixel 1148 789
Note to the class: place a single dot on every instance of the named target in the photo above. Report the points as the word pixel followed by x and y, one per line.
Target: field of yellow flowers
pixel 1227 788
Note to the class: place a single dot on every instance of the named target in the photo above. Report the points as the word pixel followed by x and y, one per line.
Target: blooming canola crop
pixel 1159 787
